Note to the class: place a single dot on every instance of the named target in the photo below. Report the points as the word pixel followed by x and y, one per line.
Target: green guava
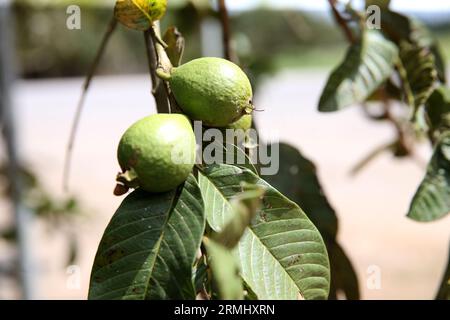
pixel 212 90
pixel 240 129
pixel 157 153
pixel 139 14
pixel 244 123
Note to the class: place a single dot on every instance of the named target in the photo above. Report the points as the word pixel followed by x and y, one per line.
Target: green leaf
pixel 399 28
pixel 367 65
pixel 418 74
pixel 344 277
pixel 245 205
pixel 225 271
pixel 444 289
pixel 134 14
pixel 175 45
pixel 432 200
pixel 438 108
pixel 282 255
pixel 380 3
pixel 297 179
pixel 149 247
pixel 200 274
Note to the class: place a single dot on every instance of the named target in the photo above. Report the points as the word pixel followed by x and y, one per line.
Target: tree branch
pixel 226 32
pixel 158 59
pixel 158 89
pixel 341 21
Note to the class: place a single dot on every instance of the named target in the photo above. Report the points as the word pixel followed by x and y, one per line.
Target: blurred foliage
pixel 46 48
pixel 55 212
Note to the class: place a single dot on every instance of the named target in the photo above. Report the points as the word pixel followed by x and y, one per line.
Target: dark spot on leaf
pixel 263 216
pixel 137 290
pixel 113 255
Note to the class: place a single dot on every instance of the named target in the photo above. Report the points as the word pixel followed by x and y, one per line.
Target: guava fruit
pixel 157 153
pixel 139 14
pixel 240 129
pixel 244 123
pixel 212 90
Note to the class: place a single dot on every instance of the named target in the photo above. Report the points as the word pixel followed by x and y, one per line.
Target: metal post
pixel 22 215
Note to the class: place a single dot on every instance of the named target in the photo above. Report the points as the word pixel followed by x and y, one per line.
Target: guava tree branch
pixel 226 31
pixel 341 21
pixel 158 90
pixel 159 61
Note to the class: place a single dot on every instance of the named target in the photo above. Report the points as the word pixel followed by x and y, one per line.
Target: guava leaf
pixel 230 153
pixel 438 108
pixel 297 179
pixel 245 205
pixel 133 13
pixel 200 275
pixel 149 247
pixel 281 254
pixel 367 65
pixel 399 28
pixel 175 45
pixel 444 289
pixel 380 3
pixel 344 279
pixel 419 74
pixel 432 199
pixel 225 271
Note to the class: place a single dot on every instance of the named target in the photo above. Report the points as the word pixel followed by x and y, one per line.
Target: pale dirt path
pixel 371 206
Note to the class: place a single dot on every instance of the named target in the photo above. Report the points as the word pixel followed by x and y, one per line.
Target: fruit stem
pixel 128 178
pixel 163 74
pixel 157 37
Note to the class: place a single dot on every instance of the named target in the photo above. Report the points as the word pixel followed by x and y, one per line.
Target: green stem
pixel 163 74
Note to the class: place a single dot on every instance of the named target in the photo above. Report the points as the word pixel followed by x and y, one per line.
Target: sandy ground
pixel 409 256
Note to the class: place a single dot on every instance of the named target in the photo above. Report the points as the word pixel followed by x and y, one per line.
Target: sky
pixel 401 5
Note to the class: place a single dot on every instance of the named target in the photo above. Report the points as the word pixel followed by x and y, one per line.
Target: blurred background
pixel 288 48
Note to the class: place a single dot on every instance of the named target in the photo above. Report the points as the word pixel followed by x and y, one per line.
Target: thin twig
pixel 342 22
pixel 67 163
pixel 226 31
pixel 370 157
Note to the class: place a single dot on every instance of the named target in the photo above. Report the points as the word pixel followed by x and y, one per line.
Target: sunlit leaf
pixel 432 200
pixel 245 205
pixel 399 28
pixel 282 254
pixel 366 66
pixel 420 75
pixel 297 179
